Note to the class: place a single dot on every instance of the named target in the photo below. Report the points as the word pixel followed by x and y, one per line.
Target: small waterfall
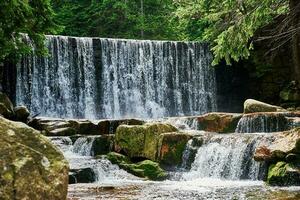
pixel 260 122
pixel 79 155
pixel 83 146
pixel 112 78
pixel 227 157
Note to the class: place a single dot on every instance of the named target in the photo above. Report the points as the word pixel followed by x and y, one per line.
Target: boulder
pixel 171 147
pixel 6 106
pixel 283 144
pixel 283 174
pixel 145 169
pixel 141 140
pixel 219 122
pixel 84 175
pixel 252 106
pixel 103 144
pixel 31 167
pixel 21 113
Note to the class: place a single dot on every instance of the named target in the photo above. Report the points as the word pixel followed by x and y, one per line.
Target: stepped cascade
pixel 112 78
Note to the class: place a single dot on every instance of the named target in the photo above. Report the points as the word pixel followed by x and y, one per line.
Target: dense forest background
pixel 260 36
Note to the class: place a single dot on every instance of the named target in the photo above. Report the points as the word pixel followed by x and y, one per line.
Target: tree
pixel 231 26
pixel 135 19
pixel 34 18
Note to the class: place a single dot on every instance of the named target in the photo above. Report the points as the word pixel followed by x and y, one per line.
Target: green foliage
pixel 34 18
pixel 115 18
pixel 229 25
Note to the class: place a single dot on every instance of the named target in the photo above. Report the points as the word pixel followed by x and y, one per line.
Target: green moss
pixel 283 174
pixel 146 168
pixel 116 158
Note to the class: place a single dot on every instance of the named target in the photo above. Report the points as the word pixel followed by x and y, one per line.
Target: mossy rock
pixel 146 169
pixel 283 174
pixel 31 167
pixel 116 158
pixel 171 147
pixel 141 140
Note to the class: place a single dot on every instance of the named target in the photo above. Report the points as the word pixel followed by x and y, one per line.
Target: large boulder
pixel 30 166
pixel 283 144
pixel 252 106
pixel 6 106
pixel 171 147
pixel 145 169
pixel 219 122
pixel 283 174
pixel 141 140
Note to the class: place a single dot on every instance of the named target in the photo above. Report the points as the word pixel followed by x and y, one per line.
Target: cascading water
pixel 260 122
pixel 227 157
pixel 111 78
pixel 79 155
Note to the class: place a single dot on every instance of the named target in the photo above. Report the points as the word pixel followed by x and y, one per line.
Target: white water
pixel 262 123
pixel 227 157
pixel 110 78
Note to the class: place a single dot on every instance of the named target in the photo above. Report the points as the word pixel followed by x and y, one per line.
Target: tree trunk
pixel 295 14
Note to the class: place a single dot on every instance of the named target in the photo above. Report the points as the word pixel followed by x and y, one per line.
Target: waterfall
pixel 260 122
pixel 83 146
pixel 227 157
pixel 114 78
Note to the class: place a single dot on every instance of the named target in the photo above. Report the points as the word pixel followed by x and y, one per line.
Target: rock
pixel 84 175
pixel 110 126
pixel 219 122
pixel 22 113
pixel 252 106
pixel 116 158
pixel 31 167
pixel 66 131
pixel 6 106
pixel 145 169
pixel 283 174
pixel 171 147
pixel 64 127
pixel 283 144
pixel 140 140
pixel 103 144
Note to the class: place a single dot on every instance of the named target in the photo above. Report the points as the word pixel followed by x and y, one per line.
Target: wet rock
pixel 171 147
pixel 6 106
pixel 219 122
pixel 21 113
pixel 103 144
pixel 252 106
pixel 141 140
pixel 283 174
pixel 31 167
pixel 116 158
pixel 85 175
pixel 145 169
pixel 283 144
